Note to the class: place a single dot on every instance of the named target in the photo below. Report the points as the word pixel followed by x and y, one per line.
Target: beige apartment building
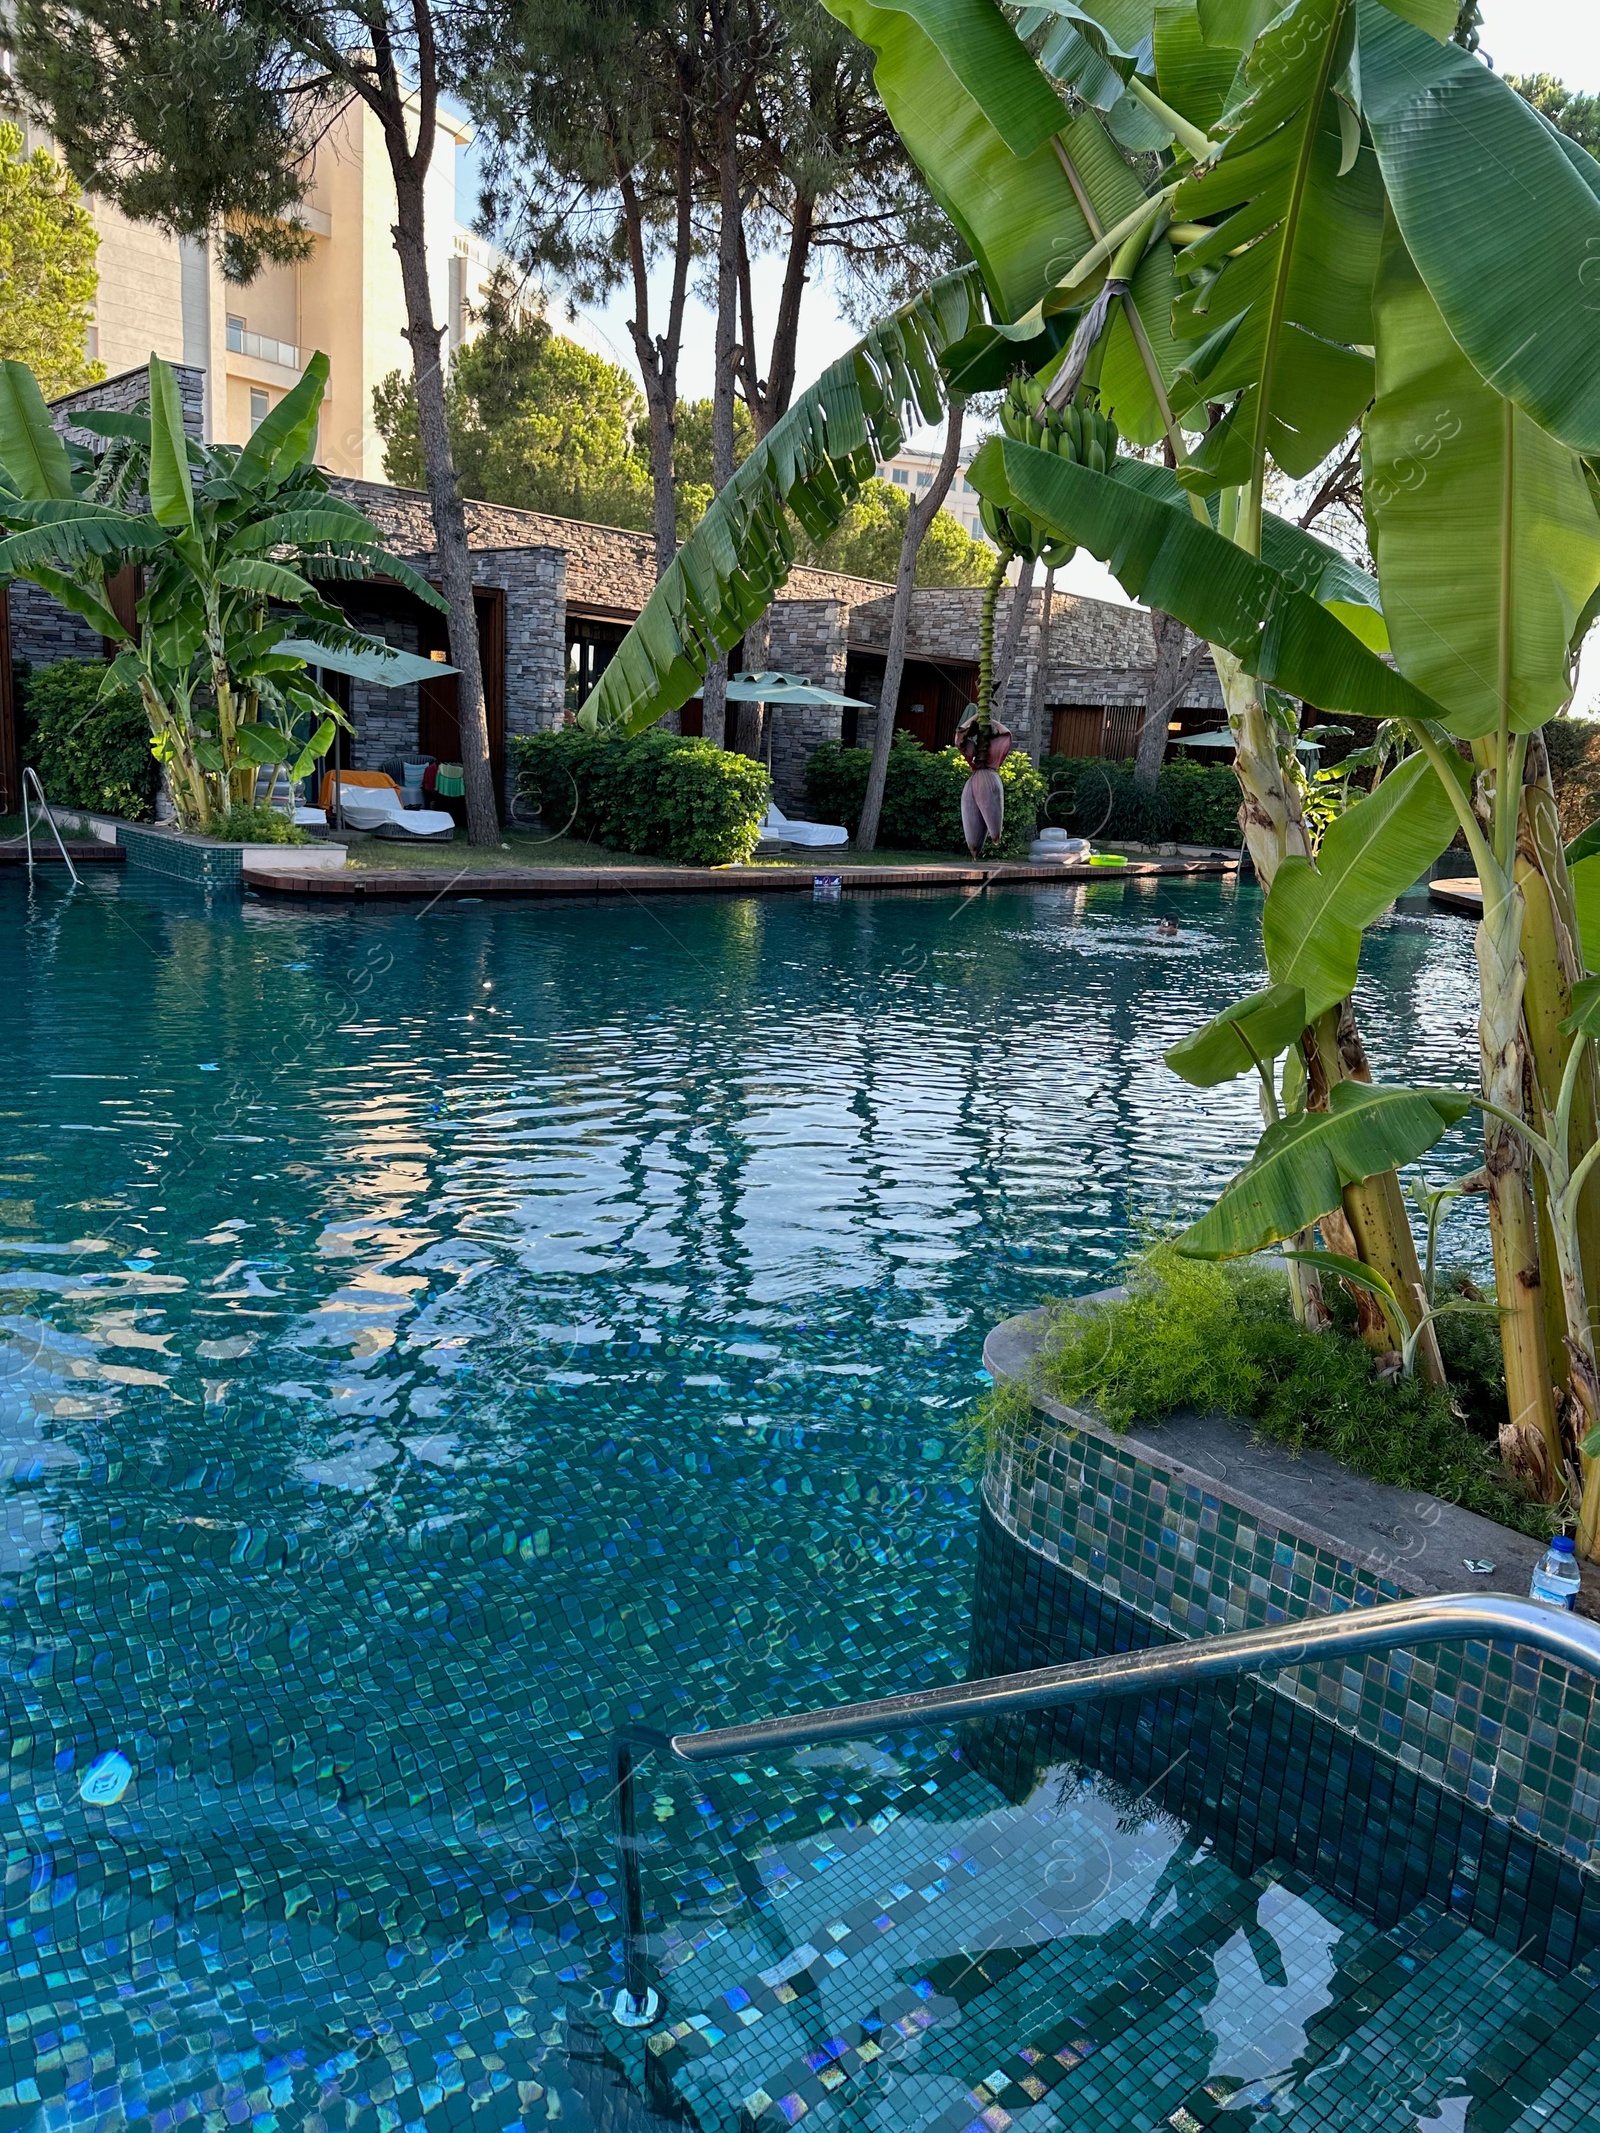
pixel 166 294
pixel 915 470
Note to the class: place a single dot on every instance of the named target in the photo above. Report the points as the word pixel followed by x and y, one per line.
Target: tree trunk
pixel 748 732
pixel 730 241
pixel 1033 739
pixel 1005 657
pixel 657 354
pixel 449 519
pixel 919 518
pixel 1167 684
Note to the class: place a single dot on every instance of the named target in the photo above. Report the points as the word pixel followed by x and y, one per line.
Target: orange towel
pixel 356 778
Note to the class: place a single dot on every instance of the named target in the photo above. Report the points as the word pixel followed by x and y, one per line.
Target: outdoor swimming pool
pixel 430 1339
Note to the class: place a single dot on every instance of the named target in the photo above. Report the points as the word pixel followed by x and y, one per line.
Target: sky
pixel 1560 37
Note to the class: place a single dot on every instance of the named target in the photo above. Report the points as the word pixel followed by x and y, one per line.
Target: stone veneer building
pixel 556 597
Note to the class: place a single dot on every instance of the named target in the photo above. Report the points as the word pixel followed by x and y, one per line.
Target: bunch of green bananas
pixel 1078 431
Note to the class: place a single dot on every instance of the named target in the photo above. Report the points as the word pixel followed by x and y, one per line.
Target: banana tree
pixel 226 539
pixel 1350 222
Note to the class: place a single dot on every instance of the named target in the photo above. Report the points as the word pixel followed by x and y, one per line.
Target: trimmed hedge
pixel 1193 803
pixel 659 793
pixel 89 750
pixel 921 796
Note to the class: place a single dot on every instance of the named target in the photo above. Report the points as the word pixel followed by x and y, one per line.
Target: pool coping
pixel 592 882
pixel 1418 1540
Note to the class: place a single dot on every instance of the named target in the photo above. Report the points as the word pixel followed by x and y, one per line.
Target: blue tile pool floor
pixel 428 1339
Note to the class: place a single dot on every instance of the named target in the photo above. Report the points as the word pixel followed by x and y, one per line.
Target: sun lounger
pixel 778 829
pixel 378 808
pixel 367 800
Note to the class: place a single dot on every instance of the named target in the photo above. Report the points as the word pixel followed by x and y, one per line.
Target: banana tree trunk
pixel 1530 1437
pixel 1553 960
pixel 1553 964
pixel 1372 1224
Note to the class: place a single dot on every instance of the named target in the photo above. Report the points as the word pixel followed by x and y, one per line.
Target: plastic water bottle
pixel 1556 1576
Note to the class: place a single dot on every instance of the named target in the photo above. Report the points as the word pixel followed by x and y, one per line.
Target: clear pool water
pixel 429 1338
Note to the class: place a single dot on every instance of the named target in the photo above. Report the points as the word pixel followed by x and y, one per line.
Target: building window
pixel 924 481
pixel 902 477
pixel 590 649
pixel 258 406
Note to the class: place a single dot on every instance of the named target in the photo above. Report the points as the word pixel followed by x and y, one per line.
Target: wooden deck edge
pixel 590 882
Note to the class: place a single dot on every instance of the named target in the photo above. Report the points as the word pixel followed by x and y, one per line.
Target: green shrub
pixel 90 750
pixel 260 825
pixel 659 793
pixel 1192 803
pixel 1192 1336
pixel 921 796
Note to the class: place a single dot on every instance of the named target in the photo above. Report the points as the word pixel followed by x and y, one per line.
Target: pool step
pixel 1067 1967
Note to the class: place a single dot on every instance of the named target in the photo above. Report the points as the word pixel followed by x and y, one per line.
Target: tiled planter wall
pixel 1515 1735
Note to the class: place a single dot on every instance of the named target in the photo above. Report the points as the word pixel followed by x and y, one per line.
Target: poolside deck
pixel 1460 893
pixel 83 852
pixel 588 883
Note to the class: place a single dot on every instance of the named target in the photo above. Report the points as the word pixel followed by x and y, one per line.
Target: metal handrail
pixel 31 777
pixel 1492 1618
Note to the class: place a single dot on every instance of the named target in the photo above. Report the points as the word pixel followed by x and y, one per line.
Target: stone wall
pixel 803 637
pixel 533 580
pixel 130 389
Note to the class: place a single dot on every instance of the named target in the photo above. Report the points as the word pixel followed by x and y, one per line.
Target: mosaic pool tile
pixel 1518 1734
pixel 418 1356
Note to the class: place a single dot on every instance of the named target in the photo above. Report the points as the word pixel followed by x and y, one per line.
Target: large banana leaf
pixel 286 438
pixel 1499 219
pixel 1249 1033
pixel 1163 556
pixel 31 453
pixel 811 462
pixel 82 530
pixel 1292 246
pixel 171 491
pixel 979 118
pixel 1310 564
pixel 1585 875
pixel 1485 533
pixel 1302 1164
pixel 965 96
pixel 1373 852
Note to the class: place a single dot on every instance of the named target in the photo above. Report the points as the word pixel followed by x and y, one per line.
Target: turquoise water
pixel 429 1339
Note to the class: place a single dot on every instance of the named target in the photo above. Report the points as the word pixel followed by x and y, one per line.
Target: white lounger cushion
pixel 780 830
pixel 376 807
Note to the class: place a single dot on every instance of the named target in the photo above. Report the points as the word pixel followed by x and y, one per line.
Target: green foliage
pixel 535 422
pixel 693 461
pixel 921 796
pixel 90 750
pixel 1213 1340
pixel 228 154
pixel 1191 803
pixel 1571 111
pixel 48 243
pixel 222 696
pixel 675 798
pixel 866 543
pixel 245 823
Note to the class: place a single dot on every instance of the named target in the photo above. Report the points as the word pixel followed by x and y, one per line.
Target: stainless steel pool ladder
pixel 1454 1618
pixel 31 777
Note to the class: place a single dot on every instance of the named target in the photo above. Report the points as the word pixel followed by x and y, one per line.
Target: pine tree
pixel 47 272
